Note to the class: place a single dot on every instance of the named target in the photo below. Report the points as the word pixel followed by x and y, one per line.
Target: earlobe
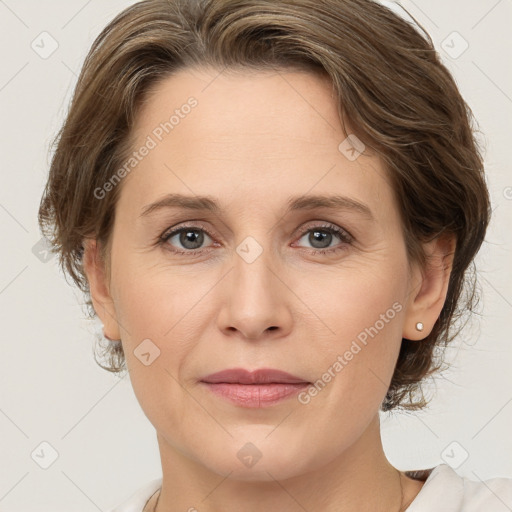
pixel 102 301
pixel 426 300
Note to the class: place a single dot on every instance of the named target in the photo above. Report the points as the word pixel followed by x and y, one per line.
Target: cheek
pixel 165 305
pixel 350 299
pixel 158 313
pixel 152 298
pixel 358 335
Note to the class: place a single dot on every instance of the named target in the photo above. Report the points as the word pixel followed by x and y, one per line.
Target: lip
pixel 260 388
pixel 259 376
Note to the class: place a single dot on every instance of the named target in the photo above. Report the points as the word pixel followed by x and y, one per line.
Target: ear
pixel 429 286
pixel 94 268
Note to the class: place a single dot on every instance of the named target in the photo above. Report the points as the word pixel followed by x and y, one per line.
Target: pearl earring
pixel 419 326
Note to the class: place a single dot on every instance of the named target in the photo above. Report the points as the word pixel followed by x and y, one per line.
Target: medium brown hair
pixel 390 86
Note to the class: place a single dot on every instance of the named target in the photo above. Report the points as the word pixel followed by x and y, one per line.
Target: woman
pixel 272 207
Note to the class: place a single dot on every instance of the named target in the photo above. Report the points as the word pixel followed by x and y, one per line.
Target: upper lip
pixel 259 376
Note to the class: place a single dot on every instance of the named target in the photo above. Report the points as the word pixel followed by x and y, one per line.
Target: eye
pixel 321 237
pixel 190 238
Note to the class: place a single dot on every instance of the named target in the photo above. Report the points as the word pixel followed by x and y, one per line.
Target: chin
pixel 262 461
pixel 262 471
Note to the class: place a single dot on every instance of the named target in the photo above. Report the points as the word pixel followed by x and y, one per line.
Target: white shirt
pixel 443 491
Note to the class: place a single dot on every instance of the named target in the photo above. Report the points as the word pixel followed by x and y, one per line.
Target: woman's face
pixel 262 281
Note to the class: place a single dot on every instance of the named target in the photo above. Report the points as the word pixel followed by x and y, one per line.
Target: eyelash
pixel 344 236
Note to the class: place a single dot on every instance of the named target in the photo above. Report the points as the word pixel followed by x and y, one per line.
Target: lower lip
pixel 255 395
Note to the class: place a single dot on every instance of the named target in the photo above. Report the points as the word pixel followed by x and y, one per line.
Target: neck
pixel 359 479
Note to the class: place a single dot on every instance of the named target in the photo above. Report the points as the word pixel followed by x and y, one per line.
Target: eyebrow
pixel 304 202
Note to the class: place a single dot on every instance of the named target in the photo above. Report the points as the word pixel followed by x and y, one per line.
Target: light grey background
pixel 50 387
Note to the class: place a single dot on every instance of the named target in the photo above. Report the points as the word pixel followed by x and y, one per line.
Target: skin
pixel 254 140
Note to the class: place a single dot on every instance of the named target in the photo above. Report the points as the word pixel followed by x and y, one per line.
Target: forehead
pixel 248 132
pixel 243 105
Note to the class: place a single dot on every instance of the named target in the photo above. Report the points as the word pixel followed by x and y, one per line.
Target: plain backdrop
pixel 59 409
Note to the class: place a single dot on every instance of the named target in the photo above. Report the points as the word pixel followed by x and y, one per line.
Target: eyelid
pixel 341 232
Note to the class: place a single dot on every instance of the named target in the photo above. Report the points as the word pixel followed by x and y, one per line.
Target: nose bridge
pixel 253 264
pixel 255 300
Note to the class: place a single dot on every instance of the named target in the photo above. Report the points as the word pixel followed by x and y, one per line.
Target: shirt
pixel 443 491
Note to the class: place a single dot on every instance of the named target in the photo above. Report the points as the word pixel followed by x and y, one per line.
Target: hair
pixel 390 87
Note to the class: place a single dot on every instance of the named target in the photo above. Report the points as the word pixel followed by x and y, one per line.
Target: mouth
pixel 256 389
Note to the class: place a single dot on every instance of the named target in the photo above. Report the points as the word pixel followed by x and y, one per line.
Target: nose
pixel 256 301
